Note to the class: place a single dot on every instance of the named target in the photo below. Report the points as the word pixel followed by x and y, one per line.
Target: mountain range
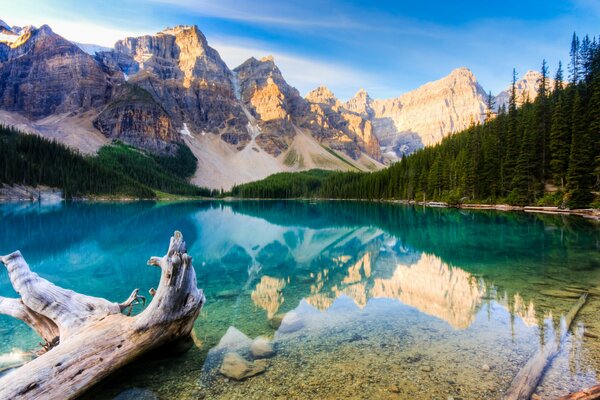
pixel 156 92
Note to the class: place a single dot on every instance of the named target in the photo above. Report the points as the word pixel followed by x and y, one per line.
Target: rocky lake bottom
pixel 330 300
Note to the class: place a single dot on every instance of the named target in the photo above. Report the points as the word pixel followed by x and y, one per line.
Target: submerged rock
pixel 486 368
pixel 426 368
pixel 233 339
pixel 291 323
pixel 136 394
pixel 236 367
pixel 261 348
pixel 275 322
pixel 394 389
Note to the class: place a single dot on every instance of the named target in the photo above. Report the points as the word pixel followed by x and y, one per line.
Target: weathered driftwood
pixel 526 381
pixel 592 393
pixel 87 337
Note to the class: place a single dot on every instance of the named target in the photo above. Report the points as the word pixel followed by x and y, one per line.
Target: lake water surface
pixel 359 300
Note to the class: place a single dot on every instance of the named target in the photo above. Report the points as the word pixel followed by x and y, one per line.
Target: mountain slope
pixel 345 130
pixel 43 74
pixel 157 92
pixel 425 115
pixel 187 77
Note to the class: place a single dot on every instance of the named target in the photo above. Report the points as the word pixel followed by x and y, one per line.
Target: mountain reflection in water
pixel 340 289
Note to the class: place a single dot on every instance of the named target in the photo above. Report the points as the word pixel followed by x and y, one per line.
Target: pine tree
pixel 542 120
pixel 558 79
pixel 594 128
pixel 579 174
pixel 502 157
pixel 490 106
pixel 585 57
pixel 523 181
pixel 574 65
pixel 512 144
pixel 560 142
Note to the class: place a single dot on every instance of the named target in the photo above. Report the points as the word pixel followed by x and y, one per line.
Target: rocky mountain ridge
pixel 159 91
pixel 426 115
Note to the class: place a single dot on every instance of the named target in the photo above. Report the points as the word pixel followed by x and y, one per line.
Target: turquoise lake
pixel 359 300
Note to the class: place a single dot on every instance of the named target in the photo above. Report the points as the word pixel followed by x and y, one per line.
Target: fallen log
pixel 526 381
pixel 592 393
pixel 87 338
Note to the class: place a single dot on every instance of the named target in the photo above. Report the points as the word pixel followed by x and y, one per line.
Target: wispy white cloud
pixel 81 31
pixel 344 45
pixel 302 72
pixel 262 12
pixel 84 32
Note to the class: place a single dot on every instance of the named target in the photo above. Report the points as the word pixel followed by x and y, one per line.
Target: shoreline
pixel 588 213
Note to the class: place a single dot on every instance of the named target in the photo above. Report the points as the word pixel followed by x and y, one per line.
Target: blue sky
pixel 386 47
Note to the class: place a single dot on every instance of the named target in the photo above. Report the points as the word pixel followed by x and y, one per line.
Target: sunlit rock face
pixel 187 77
pixel 425 115
pixel 526 89
pixel 276 105
pixel 343 130
pixel 360 103
pixel 434 288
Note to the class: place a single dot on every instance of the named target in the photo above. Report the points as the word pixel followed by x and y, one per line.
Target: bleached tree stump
pixel 87 338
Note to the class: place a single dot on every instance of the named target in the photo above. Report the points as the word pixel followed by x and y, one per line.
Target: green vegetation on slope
pixel 511 157
pixel 159 173
pixel 284 185
pixel 117 171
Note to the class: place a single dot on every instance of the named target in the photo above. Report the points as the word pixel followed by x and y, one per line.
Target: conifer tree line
pixel 117 170
pixel 546 151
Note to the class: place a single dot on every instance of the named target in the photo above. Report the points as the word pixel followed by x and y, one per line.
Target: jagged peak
pixel 30 34
pixel 531 74
pixel 360 103
pixel 177 29
pixel 322 94
pixel 44 30
pixel 323 90
pixel 462 72
pixel 265 65
pixel 361 93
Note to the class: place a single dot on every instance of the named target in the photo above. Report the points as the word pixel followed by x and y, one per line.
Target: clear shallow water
pixel 377 301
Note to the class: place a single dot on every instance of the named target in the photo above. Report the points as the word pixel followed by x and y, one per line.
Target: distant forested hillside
pixel 545 152
pixel 117 171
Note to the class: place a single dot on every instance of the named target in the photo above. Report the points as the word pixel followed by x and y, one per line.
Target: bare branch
pixel 92 338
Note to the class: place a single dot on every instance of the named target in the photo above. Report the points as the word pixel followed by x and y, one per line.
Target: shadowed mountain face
pixel 42 74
